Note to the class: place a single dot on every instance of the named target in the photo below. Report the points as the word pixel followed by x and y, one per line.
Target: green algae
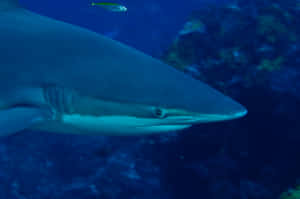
pixel 291 194
pixel 271 65
pixel 271 28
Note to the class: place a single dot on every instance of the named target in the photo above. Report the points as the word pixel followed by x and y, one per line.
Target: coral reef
pixel 241 39
pixel 232 57
pixel 181 54
pixel 271 28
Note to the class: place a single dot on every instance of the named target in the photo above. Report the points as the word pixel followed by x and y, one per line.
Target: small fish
pixel 114 7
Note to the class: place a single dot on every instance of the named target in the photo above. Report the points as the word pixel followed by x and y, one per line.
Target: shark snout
pixel 205 104
pixel 223 108
pixel 241 111
pixel 231 108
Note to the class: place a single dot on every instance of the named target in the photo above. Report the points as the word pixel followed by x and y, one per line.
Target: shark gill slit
pixel 59 99
pixel 65 101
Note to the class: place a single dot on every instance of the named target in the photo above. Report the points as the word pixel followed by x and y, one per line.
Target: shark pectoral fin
pixel 16 119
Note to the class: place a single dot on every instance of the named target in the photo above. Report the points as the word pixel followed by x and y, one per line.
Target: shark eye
pixel 159 113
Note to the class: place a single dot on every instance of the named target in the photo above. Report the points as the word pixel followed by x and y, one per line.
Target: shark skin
pixel 57 77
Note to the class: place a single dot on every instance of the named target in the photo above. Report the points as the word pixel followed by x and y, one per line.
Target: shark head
pixel 149 97
pixel 152 113
pixel 73 80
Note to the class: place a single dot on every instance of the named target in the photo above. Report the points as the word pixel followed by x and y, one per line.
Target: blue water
pixel 256 157
pixel 148 26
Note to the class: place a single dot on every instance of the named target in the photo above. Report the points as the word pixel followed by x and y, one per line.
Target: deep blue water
pixel 256 157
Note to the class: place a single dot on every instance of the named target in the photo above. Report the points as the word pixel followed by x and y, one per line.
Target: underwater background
pixel 248 49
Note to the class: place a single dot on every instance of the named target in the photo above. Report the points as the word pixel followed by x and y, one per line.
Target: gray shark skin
pixel 58 77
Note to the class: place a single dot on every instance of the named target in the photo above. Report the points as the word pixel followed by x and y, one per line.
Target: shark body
pixel 58 77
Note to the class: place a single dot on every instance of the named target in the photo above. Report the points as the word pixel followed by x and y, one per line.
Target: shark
pixel 58 77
